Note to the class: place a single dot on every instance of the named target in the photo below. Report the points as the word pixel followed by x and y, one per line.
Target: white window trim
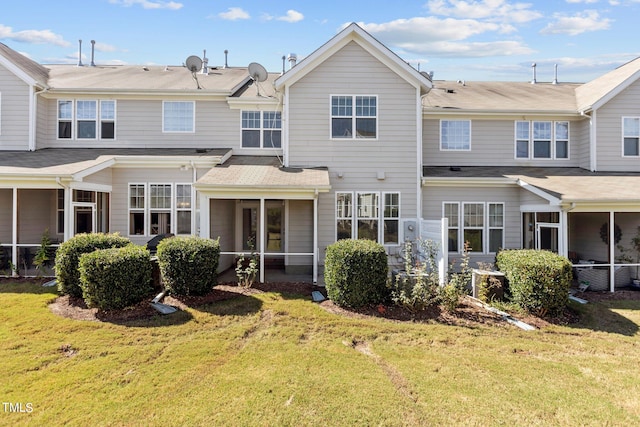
pixel 94 120
pixel 72 119
pixel 384 218
pixel 170 210
pixel 470 135
pixel 458 228
pixel 178 209
pixel 144 209
pixel 554 140
pixel 623 136
pixel 354 117
pixel 261 129
pixel 485 227
pixel 101 120
pixel 380 218
pixel 193 119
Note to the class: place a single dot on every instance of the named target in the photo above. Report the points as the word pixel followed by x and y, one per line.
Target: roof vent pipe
pixel 293 58
pixel 533 66
pixel 93 46
pixel 555 74
pixel 205 63
pixel 283 59
pixel 226 52
pixel 80 53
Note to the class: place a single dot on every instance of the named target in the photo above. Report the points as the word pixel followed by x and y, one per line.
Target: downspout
pixel 14 232
pixel 419 154
pixel 33 116
pixel 593 153
pixel 285 128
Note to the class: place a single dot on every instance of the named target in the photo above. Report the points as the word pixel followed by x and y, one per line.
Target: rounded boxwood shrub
pixel 68 257
pixel 355 273
pixel 115 278
pixel 538 280
pixel 189 264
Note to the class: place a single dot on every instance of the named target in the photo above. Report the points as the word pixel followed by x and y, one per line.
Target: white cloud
pixel 32 36
pixel 234 13
pixel 444 37
pixel 589 20
pixel 149 4
pixel 491 10
pixel 582 1
pixel 291 16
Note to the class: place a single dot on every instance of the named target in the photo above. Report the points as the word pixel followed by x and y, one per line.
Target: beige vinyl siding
pixel 222 225
pixel 103 177
pixel 42 122
pixel 609 131
pixel 528 198
pixel 36 214
pixel 300 232
pixel 434 196
pixel 492 143
pixel 14 112
pixel 353 71
pixel 580 136
pixel 138 124
pixel 122 177
pixel 6 215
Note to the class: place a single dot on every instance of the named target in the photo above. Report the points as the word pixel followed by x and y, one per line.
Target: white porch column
pixel 564 233
pixel 261 238
pixel 315 239
pixel 69 222
pixel 612 248
pixel 14 230
pixel 205 221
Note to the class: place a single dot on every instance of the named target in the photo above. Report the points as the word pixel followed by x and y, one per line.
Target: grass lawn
pixel 272 359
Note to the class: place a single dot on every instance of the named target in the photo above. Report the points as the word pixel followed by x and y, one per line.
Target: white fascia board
pixel 557 115
pixel 254 103
pixel 538 192
pixel 467 182
pixel 18 72
pixel 79 176
pixel 166 161
pixel 615 92
pixel 354 33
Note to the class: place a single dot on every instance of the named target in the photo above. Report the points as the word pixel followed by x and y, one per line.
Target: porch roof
pixel 66 162
pixel 257 173
pixel 568 185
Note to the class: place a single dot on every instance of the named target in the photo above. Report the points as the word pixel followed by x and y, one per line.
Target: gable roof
pixel 501 97
pixel 355 33
pixel 26 69
pixel 592 95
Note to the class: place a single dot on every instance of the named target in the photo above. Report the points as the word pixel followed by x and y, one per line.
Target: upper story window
pixel 631 136
pixel 542 140
pixel 455 135
pixel 80 119
pixel 354 116
pixel 178 116
pixel 261 129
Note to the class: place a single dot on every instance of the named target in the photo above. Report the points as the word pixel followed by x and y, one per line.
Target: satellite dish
pixel 257 72
pixel 193 63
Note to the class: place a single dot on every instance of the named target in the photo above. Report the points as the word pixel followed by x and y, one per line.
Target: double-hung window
pixel 631 136
pixel 478 224
pixel 65 119
pixel 153 207
pixel 368 215
pixel 354 116
pixel 261 129
pixel 86 115
pixel 86 119
pixel 178 116
pixel 455 135
pixel 542 140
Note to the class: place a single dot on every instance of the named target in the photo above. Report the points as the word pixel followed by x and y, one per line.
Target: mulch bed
pixel 468 314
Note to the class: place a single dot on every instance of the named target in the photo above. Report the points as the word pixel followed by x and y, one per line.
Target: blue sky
pixel 457 39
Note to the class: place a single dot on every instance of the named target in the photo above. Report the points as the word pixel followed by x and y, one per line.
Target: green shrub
pixel 115 278
pixel 189 264
pixel 356 273
pixel 539 281
pixel 416 288
pixel 68 257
